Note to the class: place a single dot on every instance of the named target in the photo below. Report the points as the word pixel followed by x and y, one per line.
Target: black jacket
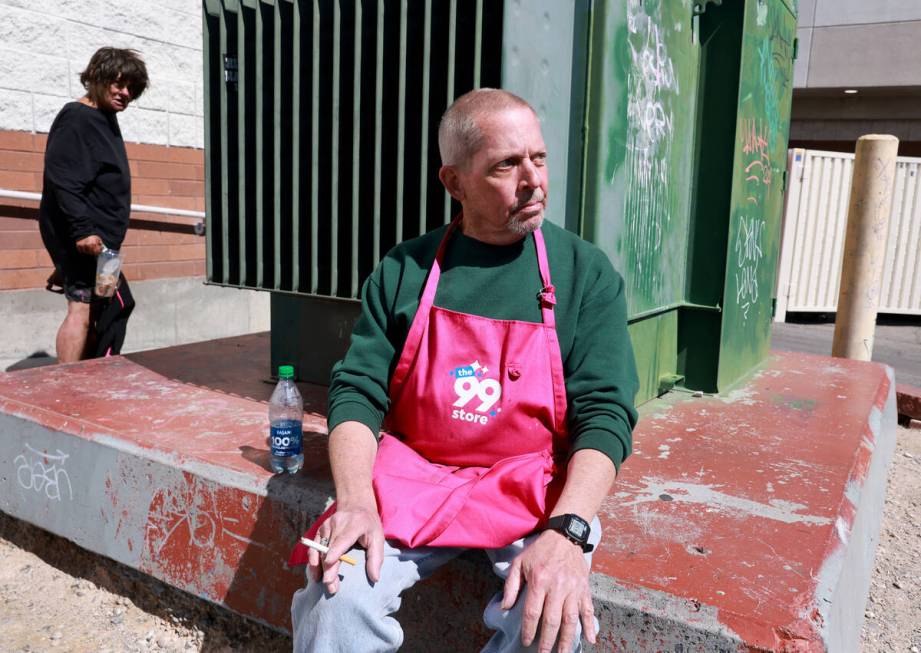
pixel 87 182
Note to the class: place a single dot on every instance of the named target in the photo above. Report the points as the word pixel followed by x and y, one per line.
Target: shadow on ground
pixel 35 359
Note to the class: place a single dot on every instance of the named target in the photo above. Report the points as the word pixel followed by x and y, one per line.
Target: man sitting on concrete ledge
pixel 505 397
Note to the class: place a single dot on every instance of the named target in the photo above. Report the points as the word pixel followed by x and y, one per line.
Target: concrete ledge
pixel 908 399
pixel 750 521
pixel 745 522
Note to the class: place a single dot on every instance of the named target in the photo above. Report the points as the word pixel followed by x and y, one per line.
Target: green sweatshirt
pixel 501 282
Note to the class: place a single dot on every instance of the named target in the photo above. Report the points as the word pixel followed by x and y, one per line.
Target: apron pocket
pixel 422 503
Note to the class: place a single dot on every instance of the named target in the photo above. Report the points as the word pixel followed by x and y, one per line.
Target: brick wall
pixel 156 247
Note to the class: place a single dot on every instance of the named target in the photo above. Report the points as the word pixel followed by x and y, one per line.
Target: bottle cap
pixel 285 371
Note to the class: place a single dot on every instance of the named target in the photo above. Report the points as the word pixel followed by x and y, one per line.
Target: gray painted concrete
pixel 806 17
pixel 831 129
pixel 844 580
pixel 855 43
pixel 858 107
pixel 643 619
pixel 852 12
pixel 801 65
pixel 875 55
pixel 169 312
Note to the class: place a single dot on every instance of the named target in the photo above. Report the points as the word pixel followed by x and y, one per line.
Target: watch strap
pixel 558 524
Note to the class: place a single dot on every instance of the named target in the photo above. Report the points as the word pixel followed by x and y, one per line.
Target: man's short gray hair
pixel 459 134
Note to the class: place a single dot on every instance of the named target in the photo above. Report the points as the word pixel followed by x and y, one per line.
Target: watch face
pixel 578 529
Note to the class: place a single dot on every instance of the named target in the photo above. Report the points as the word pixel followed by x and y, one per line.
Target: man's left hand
pixel 90 245
pixel 557 596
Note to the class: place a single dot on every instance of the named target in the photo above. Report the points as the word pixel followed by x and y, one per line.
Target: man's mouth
pixel 529 208
pixel 535 203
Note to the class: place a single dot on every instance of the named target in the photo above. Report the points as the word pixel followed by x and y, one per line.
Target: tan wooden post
pixel 865 246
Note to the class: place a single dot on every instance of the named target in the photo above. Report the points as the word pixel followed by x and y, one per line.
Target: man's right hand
pixel 352 450
pixel 91 245
pixel 346 527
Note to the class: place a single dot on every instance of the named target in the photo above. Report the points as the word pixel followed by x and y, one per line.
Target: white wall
pixel 44 44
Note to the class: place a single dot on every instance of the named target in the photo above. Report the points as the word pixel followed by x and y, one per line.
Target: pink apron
pixel 478 411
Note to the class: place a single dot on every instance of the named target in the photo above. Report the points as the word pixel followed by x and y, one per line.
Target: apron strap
pixel 421 319
pixel 547 295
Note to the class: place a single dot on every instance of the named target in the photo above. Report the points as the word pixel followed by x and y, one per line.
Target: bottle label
pixel 286 438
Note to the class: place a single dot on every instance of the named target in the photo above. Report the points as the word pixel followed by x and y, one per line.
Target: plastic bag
pixel 108 268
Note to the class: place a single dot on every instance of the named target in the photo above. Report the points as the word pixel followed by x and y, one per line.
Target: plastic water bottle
pixel 286 415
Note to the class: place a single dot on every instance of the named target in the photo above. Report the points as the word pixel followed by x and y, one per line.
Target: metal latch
pixel 230 70
pixel 669 381
pixel 700 6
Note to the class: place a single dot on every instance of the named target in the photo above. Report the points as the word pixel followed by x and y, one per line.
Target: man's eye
pixel 505 164
pixel 540 159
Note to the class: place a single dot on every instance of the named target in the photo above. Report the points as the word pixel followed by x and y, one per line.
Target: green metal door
pixel 642 101
pixel 758 184
pixel 666 119
pixel 687 115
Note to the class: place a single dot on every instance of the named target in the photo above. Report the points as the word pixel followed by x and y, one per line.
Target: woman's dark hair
pixel 108 65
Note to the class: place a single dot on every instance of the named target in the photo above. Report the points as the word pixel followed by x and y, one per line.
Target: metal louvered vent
pixel 321 133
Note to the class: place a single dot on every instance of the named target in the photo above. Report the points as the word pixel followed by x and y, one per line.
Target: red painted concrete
pixel 908 400
pixel 737 502
pixel 205 405
pixel 734 504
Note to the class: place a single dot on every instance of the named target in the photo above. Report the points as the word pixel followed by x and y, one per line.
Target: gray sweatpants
pixel 357 619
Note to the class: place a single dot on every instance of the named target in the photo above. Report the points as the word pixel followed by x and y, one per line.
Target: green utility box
pixel 666 123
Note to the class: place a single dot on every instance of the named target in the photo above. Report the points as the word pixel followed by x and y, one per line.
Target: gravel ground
pixel 54 596
pixel 892 619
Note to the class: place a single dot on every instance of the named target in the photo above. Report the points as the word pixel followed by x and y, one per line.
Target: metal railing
pixel 135 208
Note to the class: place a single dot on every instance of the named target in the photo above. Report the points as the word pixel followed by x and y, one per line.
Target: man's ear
pixel 451 181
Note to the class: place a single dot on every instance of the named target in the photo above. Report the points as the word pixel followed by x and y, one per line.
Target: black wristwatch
pixel 574 528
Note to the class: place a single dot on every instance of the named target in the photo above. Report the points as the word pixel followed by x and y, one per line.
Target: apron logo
pixel 470 384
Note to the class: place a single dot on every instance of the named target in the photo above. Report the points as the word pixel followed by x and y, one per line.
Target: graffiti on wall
pixel 756 157
pixel 774 56
pixel 195 534
pixel 43 473
pixel 652 88
pixel 749 252
pixel 761 132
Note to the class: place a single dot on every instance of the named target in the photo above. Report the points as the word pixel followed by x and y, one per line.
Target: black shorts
pixel 74 272
pixel 77 273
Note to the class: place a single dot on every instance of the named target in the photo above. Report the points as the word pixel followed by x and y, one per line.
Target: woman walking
pixel 86 195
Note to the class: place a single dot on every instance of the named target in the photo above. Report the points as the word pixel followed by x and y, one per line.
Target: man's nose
pixel 530 176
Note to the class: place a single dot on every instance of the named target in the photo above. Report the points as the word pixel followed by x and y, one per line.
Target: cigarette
pixel 325 549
